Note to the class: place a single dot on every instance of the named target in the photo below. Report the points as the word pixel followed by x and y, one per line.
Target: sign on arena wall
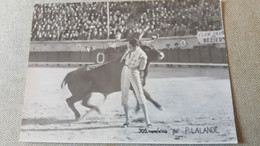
pixel 211 37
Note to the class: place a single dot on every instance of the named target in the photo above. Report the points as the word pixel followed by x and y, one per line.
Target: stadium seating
pixel 88 21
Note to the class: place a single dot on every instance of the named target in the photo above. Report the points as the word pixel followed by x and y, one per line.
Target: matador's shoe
pixel 149 125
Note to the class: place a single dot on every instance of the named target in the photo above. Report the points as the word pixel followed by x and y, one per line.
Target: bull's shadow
pixel 45 121
pixel 51 121
pixel 72 129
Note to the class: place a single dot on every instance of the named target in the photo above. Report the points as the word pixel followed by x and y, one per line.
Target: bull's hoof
pixel 125 125
pixel 77 118
pixel 98 111
pixel 137 109
pixel 159 107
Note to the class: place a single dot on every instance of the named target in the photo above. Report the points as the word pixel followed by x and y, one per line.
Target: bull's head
pixel 152 53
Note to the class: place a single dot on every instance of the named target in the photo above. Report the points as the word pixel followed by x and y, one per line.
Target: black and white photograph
pixel 128 72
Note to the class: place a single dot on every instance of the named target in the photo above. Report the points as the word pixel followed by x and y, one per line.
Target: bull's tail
pixel 105 98
pixel 65 81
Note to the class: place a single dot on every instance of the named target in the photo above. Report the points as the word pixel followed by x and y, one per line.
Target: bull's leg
pixel 105 97
pixel 148 97
pixel 71 101
pixel 137 107
pixel 85 102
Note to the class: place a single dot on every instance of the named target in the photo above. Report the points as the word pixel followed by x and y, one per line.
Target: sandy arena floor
pixel 190 97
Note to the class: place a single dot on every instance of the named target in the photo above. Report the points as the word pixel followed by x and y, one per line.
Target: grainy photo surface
pixel 128 72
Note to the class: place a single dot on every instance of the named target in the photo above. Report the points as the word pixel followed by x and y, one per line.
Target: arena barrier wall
pixel 177 50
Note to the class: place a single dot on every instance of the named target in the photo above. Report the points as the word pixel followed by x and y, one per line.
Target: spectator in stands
pixel 84 21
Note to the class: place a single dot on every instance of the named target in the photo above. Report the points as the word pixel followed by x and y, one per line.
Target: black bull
pixel 104 79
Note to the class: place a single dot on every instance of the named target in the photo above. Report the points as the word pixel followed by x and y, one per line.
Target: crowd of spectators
pixel 88 21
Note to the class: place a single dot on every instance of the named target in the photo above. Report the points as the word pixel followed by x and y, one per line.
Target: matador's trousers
pixel 131 77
